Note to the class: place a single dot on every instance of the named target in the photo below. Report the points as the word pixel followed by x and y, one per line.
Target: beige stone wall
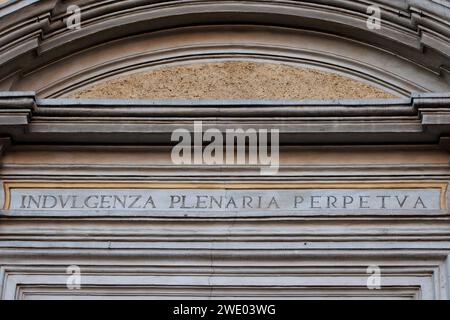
pixel 232 80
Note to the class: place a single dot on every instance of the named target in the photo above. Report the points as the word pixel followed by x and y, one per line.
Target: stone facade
pixel 90 186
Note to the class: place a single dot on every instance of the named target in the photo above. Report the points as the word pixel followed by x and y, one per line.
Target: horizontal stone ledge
pixel 316 137
pixel 223 234
pixel 184 109
pixel 283 128
pixel 394 214
pixel 286 172
pixel 421 118
pixel 221 108
pixel 254 110
pixel 243 256
pixel 89 108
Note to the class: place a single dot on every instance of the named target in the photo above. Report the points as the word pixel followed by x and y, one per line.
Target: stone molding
pixel 35 36
pixel 320 258
pixel 421 118
pixel 125 141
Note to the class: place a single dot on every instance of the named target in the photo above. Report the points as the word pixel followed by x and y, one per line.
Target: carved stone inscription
pixel 206 200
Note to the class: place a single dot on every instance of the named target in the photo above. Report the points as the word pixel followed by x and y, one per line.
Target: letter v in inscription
pixel 401 203
pixel 63 203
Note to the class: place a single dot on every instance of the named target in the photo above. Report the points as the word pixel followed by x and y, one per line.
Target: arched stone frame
pixel 409 54
pixel 205 44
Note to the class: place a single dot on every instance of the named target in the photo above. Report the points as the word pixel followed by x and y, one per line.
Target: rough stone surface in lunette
pixel 232 80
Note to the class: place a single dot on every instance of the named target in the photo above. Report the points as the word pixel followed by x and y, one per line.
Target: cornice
pixel 423 118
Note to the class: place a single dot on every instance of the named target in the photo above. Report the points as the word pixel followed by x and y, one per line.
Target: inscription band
pixel 225 197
